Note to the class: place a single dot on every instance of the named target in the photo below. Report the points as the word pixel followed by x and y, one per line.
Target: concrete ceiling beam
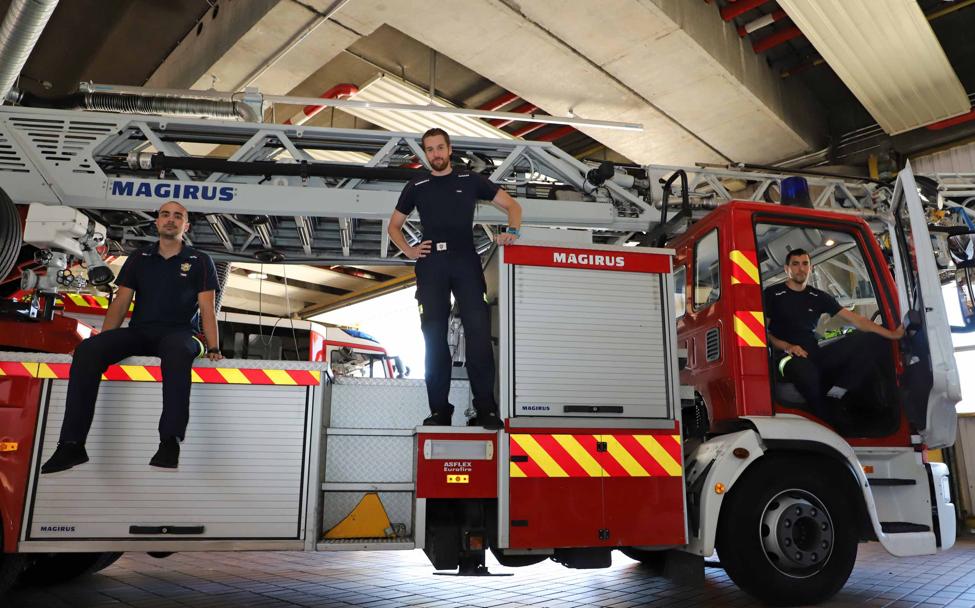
pixel 271 44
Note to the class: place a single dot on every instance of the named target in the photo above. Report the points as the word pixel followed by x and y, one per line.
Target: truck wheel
pixel 11 565
pixel 10 235
pixel 787 533
pixel 55 568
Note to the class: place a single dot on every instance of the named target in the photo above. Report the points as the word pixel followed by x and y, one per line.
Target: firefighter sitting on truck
pixel 792 310
pixel 176 285
pixel 446 262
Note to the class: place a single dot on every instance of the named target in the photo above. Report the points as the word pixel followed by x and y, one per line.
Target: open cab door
pixel 931 385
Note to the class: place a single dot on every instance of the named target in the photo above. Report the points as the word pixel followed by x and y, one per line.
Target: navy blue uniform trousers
pixel 175 348
pixel 849 363
pixel 438 275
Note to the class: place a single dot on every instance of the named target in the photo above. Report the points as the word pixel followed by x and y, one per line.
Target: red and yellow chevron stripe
pixel 750 328
pixel 152 373
pixel 571 455
pixel 744 267
pixel 75 300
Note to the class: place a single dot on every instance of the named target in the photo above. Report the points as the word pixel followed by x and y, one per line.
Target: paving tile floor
pixel 403 578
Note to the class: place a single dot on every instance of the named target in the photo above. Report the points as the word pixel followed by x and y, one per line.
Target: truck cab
pixel 723 264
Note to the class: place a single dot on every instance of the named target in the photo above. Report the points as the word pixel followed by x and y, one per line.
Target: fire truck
pixel 641 412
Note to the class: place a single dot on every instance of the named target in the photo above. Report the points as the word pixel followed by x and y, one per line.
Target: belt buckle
pixel 441 246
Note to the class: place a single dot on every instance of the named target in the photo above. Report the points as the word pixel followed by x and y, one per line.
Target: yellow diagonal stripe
pixel 676 438
pixel 195 377
pixel 745 264
pixel 515 471
pixel 746 333
pixel 539 456
pixel 45 371
pixel 233 376
pixel 571 445
pixel 2 373
pixel 734 280
pixel 137 373
pixel 279 376
pixel 77 299
pixel 658 453
pixel 759 316
pixel 102 301
pixel 617 451
pixel 31 369
pixel 317 375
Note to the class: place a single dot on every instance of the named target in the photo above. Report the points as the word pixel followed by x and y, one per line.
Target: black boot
pixel 440 417
pixel 167 456
pixel 488 419
pixel 67 455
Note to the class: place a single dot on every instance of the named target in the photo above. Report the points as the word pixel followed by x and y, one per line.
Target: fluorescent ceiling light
pixel 389 89
pixel 385 97
pixel 257 276
pixel 887 55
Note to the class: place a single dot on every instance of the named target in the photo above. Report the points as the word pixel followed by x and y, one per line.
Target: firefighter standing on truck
pixel 446 262
pixel 176 285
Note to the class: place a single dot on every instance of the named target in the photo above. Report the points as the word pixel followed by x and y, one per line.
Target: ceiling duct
pixel 888 56
pixel 21 27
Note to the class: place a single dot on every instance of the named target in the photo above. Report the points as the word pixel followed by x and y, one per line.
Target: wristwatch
pixel 513 230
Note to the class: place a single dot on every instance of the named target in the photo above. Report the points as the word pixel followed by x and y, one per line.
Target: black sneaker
pixel 68 454
pixel 167 456
pixel 439 418
pixel 488 420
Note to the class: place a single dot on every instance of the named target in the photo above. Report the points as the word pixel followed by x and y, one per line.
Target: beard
pixel 439 164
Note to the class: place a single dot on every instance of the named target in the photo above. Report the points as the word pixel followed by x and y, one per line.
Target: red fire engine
pixel 641 415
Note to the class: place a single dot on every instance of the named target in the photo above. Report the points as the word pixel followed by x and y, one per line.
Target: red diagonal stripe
pixel 749 319
pixel 668 443
pixel 641 455
pixel 114 372
pixel 302 377
pixel 605 460
pixel 559 455
pixel 155 371
pixel 529 467
pixel 210 375
pixel 255 376
pixel 13 368
pixel 61 370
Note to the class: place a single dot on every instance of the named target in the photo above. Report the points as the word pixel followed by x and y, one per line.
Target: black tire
pixel 654 560
pixel 56 568
pixel 11 565
pixel 11 235
pixel 787 532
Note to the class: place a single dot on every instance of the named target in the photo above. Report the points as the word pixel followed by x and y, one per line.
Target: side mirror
pixel 962 249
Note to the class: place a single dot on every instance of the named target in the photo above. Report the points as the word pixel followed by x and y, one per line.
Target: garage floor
pixel 381 579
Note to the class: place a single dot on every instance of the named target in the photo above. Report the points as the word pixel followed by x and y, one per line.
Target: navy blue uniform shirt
pixel 166 290
pixel 793 315
pixel 446 205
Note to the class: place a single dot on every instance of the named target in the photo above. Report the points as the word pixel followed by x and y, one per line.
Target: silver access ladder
pixel 86 160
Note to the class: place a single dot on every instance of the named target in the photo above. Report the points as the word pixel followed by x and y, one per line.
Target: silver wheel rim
pixel 797 533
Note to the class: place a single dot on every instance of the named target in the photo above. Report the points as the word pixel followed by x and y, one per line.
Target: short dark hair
pixel 433 133
pixel 795 253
